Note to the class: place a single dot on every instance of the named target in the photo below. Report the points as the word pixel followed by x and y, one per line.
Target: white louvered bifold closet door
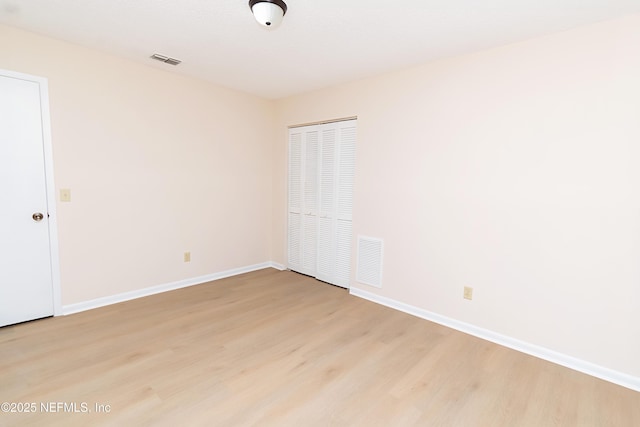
pixel 326 221
pixel 310 213
pixel 345 184
pixel 294 219
pixel 302 225
pixel 321 174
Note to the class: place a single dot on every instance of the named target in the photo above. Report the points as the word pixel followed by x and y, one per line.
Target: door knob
pixel 37 216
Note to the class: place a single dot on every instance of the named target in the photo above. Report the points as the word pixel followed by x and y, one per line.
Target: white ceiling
pixel 320 42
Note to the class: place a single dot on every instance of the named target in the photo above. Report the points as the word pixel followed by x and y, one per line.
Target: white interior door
pixel 310 204
pixel 303 200
pixel 26 285
pixel 321 180
pixel 327 206
pixel 295 202
pixel 337 168
pixel 344 201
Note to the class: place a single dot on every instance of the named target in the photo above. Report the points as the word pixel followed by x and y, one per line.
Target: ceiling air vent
pixel 165 59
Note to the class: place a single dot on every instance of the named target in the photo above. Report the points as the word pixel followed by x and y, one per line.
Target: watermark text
pixel 54 407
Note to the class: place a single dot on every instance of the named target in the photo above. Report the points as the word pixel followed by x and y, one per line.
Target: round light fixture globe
pixel 268 13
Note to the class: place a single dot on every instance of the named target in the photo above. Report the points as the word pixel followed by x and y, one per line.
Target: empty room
pixel 335 213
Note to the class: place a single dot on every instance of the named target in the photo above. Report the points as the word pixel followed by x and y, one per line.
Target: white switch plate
pixel 65 195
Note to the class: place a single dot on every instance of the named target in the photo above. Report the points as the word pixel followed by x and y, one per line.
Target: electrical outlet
pixel 468 293
pixel 187 257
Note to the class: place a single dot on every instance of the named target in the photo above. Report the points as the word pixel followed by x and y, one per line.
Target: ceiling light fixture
pixel 268 12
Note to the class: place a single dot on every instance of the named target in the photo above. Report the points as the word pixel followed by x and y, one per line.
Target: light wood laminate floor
pixel 273 348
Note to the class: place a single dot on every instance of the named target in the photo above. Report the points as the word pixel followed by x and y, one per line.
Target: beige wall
pixel 514 171
pixel 157 164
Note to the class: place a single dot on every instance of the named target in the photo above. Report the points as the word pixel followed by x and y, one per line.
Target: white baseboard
pixel 588 368
pixel 126 296
pixel 277 266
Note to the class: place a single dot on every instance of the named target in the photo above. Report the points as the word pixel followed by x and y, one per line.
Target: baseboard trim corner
pixel 277 266
pixel 619 378
pixel 139 293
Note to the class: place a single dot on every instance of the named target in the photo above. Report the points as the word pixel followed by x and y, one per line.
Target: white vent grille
pixel 165 59
pixel 370 261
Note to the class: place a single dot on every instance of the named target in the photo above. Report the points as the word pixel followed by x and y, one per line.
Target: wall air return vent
pixel 165 59
pixel 369 261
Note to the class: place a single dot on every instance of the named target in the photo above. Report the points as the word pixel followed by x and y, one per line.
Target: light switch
pixel 65 195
